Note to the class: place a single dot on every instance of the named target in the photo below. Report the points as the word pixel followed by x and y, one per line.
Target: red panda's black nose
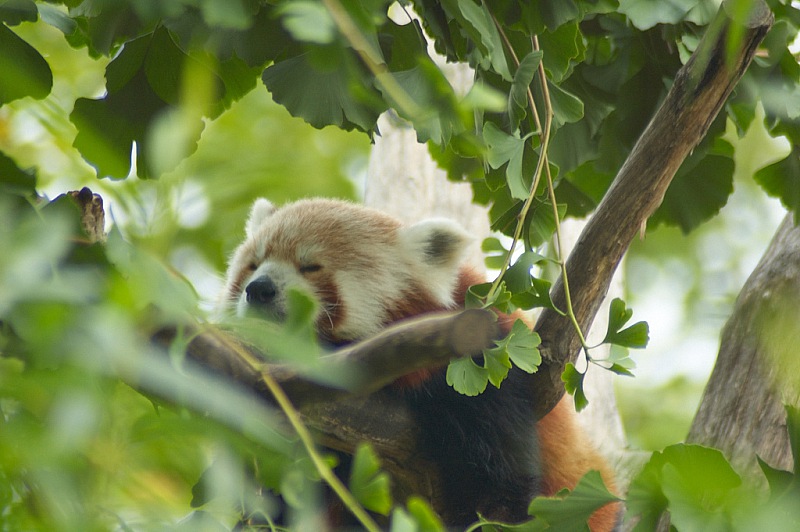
pixel 261 291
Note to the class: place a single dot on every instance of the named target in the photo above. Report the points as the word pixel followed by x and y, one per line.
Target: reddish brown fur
pixel 563 445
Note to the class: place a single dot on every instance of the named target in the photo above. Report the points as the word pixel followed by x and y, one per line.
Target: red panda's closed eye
pixel 310 268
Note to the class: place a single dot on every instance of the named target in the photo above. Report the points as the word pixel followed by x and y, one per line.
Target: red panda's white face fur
pixel 365 268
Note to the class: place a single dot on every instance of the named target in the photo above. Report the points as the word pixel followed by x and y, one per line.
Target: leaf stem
pixel 542 164
pixel 552 193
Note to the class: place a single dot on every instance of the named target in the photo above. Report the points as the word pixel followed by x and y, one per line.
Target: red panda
pixel 367 270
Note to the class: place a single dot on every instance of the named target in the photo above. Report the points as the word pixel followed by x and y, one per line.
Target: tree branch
pixel 758 366
pixel 356 370
pixel 699 91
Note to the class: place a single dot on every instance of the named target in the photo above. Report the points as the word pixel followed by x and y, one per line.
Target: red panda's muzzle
pixel 262 297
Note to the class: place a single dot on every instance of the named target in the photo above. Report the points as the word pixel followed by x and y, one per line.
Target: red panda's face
pixel 363 267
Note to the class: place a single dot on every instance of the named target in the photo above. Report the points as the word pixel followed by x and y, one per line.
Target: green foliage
pixel 634 336
pixel 368 483
pixel 184 75
pixel 25 72
pixel 519 347
pixel 570 510
pixel 694 482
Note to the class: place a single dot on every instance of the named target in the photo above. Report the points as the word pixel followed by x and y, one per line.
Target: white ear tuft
pixel 437 243
pixel 434 250
pixel 261 210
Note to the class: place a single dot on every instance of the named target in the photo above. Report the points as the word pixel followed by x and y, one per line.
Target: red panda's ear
pixel 434 250
pixel 260 211
pixel 436 243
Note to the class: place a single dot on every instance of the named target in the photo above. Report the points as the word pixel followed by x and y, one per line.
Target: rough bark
pixel 758 366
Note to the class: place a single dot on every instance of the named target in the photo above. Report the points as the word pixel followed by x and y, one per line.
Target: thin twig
pixel 306 439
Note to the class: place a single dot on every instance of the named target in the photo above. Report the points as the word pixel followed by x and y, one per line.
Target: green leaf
pixel 474 298
pixel 427 520
pixel 497 260
pixel 497 363
pixel 301 310
pixel 419 518
pixel 541 222
pixel 337 94
pixel 779 481
pixel 478 23
pixel 571 511
pixel 507 149
pixel 370 485
pixel 563 47
pixel 518 95
pixel 466 377
pixel 518 277
pixel 24 70
pixel 13 12
pixel 566 106
pixel 636 336
pixel 573 383
pixel 228 14
pixel 644 14
pixel 700 188
pixel 308 21
pixel 145 85
pixel 691 481
pixel 780 180
pixel 14 180
pixel 538 296
pixel 522 346
pixel 428 102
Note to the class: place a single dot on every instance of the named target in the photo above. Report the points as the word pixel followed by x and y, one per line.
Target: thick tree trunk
pixel 758 366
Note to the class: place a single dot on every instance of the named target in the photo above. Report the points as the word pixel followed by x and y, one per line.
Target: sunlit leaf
pixel 497 364
pixel 466 377
pixel 522 346
pixel 637 335
pixel 493 245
